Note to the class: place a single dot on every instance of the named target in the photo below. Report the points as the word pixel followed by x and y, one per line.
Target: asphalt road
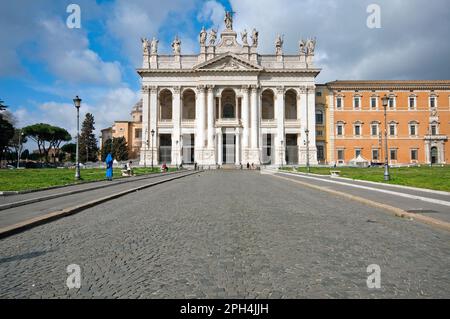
pixel 227 234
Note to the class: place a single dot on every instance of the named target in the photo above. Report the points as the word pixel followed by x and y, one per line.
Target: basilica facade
pixel 228 105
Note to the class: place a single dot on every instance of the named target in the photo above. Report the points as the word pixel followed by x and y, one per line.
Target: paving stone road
pixel 232 234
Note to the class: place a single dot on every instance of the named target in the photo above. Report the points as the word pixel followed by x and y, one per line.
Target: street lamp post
pixel 153 133
pixel 146 147
pixel 387 177
pixel 77 103
pixel 308 169
pixel 19 150
pixel 176 155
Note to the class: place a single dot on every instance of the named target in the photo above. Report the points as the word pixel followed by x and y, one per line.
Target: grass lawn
pixel 437 178
pixel 27 179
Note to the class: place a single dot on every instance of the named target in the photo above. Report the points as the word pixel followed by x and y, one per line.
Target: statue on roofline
pixel 154 46
pixel 203 36
pixel 176 46
pixel 279 44
pixel 229 20
pixel 144 45
pixel 212 37
pixel 244 37
pixel 255 37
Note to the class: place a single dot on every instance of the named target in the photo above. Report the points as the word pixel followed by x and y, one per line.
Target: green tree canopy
pixel 19 138
pixel 117 147
pixel 6 131
pixel 88 142
pixel 46 137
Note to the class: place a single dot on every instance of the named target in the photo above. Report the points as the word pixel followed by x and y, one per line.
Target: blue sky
pixel 44 64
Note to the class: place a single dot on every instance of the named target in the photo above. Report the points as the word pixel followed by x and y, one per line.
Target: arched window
pixel 188 108
pixel 165 105
pixel 290 105
pixel 268 102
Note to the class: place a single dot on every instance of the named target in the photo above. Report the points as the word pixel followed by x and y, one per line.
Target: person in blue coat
pixel 109 167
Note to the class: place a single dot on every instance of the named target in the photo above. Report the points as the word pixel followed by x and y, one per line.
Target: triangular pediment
pixel 227 62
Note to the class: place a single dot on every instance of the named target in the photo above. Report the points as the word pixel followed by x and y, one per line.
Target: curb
pixel 425 190
pixel 48 197
pixel 49 217
pixel 11 193
pixel 395 211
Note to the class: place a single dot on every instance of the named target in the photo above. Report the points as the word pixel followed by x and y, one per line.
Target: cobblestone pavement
pixel 227 234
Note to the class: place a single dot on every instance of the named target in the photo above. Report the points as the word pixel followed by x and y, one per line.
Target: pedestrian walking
pixel 109 167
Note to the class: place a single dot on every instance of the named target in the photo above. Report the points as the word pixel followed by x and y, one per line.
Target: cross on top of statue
pixel 229 19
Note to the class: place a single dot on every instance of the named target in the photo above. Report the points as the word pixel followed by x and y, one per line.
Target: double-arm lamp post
pixel 387 177
pixel 77 103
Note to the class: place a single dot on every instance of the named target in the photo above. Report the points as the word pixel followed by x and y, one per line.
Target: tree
pixel 117 147
pixel 88 142
pixel 71 149
pixel 120 148
pixel 43 133
pixel 106 148
pixel 16 142
pixel 25 154
pixel 59 135
pixel 6 131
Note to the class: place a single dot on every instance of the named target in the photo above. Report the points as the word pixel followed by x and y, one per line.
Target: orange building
pixel 417 121
pixel 131 130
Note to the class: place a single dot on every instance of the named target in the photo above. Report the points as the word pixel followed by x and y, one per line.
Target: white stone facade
pixel 228 104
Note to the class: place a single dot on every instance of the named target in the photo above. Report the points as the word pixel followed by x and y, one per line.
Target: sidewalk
pixel 431 204
pixel 73 189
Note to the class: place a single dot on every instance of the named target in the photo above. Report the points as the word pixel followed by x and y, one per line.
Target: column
pixel 280 140
pixel 245 117
pixel 254 117
pixel 153 141
pixel 176 120
pixel 145 125
pixel 210 117
pixel 238 147
pixel 200 124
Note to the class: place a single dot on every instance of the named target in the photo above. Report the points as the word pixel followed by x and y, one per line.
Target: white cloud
pixel 67 54
pixel 130 21
pixel 212 11
pixel 107 106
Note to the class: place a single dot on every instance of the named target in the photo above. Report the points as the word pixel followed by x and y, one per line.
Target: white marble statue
pixel 154 46
pixel 255 37
pixel 279 44
pixel 302 45
pixel 244 37
pixel 228 20
pixel 212 37
pixel 176 46
pixel 311 46
pixel 203 36
pixel 144 45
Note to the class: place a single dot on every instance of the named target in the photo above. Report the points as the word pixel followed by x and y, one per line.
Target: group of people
pixel 126 171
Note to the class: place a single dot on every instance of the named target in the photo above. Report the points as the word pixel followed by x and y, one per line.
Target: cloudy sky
pixel 44 64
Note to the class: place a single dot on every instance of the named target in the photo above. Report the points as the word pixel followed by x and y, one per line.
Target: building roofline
pixel 389 84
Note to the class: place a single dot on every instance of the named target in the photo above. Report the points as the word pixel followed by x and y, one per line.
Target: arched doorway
pixel 165 105
pixel 228 104
pixel 290 105
pixel 268 105
pixel 434 155
pixel 188 107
